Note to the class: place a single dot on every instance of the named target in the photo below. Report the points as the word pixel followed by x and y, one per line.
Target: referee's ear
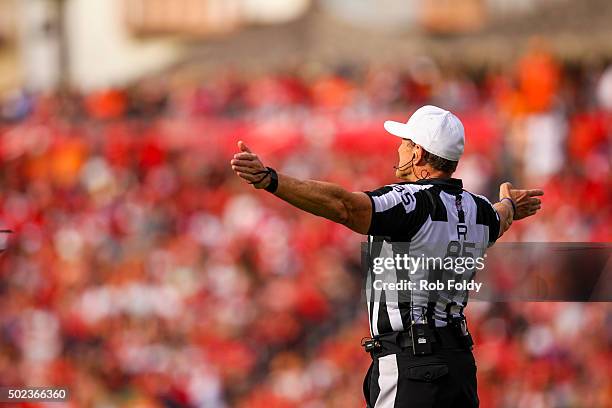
pixel 418 155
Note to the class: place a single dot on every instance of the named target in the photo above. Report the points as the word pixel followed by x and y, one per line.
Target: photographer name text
pixel 424 284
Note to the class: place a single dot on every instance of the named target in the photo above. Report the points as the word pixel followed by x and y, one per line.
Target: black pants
pixel 444 379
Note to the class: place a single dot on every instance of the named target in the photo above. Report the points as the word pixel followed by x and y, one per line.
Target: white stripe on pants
pixel 388 375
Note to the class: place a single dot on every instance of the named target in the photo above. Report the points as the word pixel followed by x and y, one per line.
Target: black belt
pixel 391 343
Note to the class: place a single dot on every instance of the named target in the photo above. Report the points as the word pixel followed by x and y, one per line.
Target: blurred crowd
pixel 142 273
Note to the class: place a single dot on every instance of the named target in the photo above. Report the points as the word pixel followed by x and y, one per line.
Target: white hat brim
pixel 398 129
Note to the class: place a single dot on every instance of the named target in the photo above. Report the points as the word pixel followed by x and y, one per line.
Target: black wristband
pixel 273 180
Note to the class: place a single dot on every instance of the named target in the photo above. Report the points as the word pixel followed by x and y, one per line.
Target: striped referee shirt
pixel 431 218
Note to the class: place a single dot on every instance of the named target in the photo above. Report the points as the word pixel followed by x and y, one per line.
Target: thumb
pixel 504 190
pixel 243 147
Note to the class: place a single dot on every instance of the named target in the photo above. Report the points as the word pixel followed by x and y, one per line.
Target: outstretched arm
pixel 525 205
pixel 328 200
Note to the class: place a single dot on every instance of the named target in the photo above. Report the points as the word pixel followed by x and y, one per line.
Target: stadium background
pixel 142 273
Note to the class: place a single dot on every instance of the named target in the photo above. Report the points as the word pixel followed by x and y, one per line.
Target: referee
pixel 420 344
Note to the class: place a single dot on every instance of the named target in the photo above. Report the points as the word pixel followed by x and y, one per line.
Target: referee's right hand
pixel 249 167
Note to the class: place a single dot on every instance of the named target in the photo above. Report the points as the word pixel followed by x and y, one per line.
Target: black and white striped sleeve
pixel 486 215
pixel 397 211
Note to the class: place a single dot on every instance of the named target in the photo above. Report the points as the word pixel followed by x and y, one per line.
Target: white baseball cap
pixel 436 130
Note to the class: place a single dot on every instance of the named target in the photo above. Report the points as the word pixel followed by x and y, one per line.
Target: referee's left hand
pixel 249 167
pixel 526 201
